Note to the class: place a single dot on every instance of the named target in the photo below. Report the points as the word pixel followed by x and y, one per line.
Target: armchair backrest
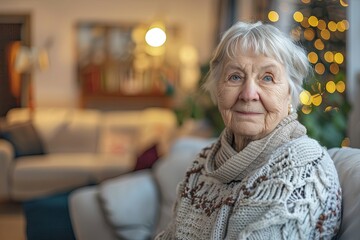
pixel 347 163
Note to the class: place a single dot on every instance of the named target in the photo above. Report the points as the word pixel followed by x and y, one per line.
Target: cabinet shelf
pixel 116 71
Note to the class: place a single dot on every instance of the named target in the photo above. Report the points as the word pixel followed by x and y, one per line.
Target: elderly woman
pixel 264 178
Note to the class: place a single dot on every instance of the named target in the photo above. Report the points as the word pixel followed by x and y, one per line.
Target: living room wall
pixel 53 22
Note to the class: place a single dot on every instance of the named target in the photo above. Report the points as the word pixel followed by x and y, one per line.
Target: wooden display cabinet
pixel 116 71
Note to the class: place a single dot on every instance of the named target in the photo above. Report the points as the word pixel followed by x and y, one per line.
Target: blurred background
pixel 123 55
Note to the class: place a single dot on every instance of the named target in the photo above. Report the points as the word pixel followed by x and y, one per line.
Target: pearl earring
pixel 291 109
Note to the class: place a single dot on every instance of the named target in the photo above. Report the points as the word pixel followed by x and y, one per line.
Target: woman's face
pixel 253 95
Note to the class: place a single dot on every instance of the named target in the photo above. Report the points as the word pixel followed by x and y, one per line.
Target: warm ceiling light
pixel 155 37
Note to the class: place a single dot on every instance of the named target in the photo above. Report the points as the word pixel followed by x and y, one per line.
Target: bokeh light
pixel 313 57
pixel 334 68
pixel 340 86
pixel 330 86
pixel 316 100
pixel 321 24
pixel 341 26
pixel 338 58
pixel 325 34
pixel 305 23
pixel 155 37
pixel 309 34
pixel 319 68
pixel 345 142
pixel 273 16
pixel 305 97
pixel 328 109
pixel 306 109
pixel 298 16
pixel 332 26
pixel 329 56
pixel 313 21
pixel 343 3
pixel 319 45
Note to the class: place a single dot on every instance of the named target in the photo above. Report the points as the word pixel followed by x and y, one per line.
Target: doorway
pixel 13 29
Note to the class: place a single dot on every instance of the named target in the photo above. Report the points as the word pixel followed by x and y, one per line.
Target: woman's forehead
pixel 243 58
pixel 240 47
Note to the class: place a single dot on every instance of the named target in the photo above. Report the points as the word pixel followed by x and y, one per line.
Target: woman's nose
pixel 249 91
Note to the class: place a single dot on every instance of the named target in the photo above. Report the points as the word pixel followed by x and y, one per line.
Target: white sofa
pixel 138 205
pixel 80 147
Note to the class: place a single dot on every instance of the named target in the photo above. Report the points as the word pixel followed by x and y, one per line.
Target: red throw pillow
pixel 147 158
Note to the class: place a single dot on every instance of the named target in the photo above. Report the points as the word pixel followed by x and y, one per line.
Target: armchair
pixel 139 205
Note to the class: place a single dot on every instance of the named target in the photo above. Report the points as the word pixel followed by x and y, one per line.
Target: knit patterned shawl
pixel 226 164
pixel 283 186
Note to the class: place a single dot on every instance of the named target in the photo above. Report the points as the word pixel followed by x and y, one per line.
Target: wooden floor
pixel 12 222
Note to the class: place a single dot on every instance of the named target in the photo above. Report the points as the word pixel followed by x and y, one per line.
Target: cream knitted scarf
pixel 283 186
pixel 226 164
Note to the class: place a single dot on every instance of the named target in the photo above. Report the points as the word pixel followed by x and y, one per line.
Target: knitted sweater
pixel 284 186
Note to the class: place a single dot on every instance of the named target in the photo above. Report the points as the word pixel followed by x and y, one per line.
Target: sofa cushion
pixel 130 203
pixel 116 141
pixel 35 176
pixel 147 158
pixel 24 138
pixel 347 163
pixel 62 129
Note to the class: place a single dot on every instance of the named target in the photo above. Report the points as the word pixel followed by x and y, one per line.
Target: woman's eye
pixel 268 78
pixel 234 78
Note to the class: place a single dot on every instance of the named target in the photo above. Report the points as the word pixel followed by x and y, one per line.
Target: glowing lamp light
pixel 155 37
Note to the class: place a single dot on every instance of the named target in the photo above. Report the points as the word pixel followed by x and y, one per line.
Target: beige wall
pixel 55 20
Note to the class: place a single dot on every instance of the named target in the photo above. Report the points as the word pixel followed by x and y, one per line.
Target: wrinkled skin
pixel 253 96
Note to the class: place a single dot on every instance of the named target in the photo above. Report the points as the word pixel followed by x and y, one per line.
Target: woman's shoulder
pixel 300 151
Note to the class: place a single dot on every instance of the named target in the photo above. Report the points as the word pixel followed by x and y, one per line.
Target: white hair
pixel 261 39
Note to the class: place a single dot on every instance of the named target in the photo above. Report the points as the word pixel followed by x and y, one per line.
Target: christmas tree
pixel 320 26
